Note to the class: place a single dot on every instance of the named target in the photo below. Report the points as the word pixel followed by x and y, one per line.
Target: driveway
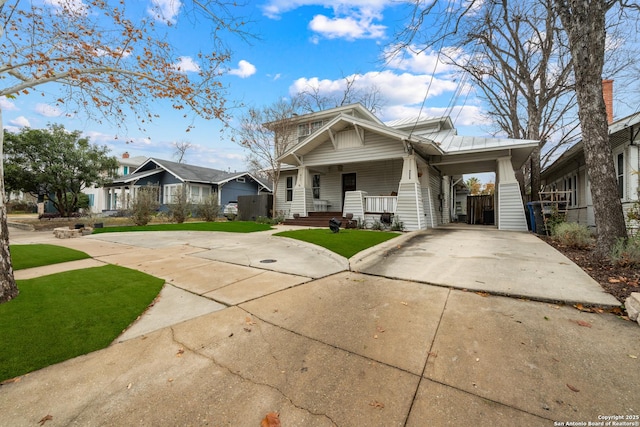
pixel 486 260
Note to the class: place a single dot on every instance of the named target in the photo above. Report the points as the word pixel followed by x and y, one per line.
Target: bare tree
pixel 315 98
pixel 268 133
pixel 537 70
pixel 516 55
pixel 107 66
pixel 180 150
pixel 585 23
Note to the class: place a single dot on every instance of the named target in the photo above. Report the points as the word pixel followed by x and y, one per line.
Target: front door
pixel 348 184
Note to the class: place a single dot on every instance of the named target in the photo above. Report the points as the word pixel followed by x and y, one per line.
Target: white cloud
pixel 7 105
pixel 47 110
pixel 21 122
pixel 413 60
pixel 349 27
pixel 244 70
pixel 73 6
pixel 350 19
pixel 274 8
pixel 186 64
pixel 165 10
pixel 395 89
pixel 402 95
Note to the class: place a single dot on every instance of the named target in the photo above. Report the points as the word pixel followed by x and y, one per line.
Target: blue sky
pixel 300 43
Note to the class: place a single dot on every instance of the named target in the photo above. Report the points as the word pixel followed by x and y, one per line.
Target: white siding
pixel 348 139
pixel 376 147
pixel 510 209
pixel 410 209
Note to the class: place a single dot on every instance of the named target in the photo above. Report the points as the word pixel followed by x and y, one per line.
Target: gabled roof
pixel 434 138
pixel 343 121
pixel 185 173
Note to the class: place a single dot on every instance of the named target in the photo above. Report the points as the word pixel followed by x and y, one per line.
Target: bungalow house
pixel 347 161
pixel 170 176
pixel 568 174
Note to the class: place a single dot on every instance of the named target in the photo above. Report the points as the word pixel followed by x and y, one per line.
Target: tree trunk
pixel 8 288
pixel 584 21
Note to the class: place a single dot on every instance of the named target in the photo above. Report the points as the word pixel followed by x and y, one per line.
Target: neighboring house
pixel 568 174
pixel 170 176
pixel 347 161
pixel 98 196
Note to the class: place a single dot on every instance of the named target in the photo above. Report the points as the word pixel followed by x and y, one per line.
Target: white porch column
pixel 302 202
pixel 509 212
pixel 123 198
pixel 410 208
pixel 431 220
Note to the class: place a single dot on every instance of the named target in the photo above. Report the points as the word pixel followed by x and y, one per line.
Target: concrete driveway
pixel 485 259
pixel 345 349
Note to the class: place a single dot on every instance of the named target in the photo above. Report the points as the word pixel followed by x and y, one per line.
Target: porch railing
pixel 380 204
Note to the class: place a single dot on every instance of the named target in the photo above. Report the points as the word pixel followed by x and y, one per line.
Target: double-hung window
pixel 620 174
pixel 289 188
pixel 316 186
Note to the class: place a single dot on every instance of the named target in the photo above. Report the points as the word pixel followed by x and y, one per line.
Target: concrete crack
pixel 238 374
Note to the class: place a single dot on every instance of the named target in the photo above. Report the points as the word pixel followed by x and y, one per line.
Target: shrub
pixel 180 209
pixel 209 209
pixel 144 204
pixel 397 225
pixel 572 234
pixel 626 252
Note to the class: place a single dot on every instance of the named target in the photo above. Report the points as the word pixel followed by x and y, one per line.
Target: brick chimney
pixel 125 155
pixel 607 94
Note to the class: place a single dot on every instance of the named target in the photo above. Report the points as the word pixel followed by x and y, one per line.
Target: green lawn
pixel 231 226
pixel 346 243
pixel 64 315
pixel 28 256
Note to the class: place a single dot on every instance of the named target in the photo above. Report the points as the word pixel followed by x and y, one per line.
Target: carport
pixel 469 154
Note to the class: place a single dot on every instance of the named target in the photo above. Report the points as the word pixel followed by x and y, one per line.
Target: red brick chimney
pixel 607 93
pixel 125 155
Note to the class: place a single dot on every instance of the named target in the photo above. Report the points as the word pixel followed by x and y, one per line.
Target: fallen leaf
pixel 272 419
pixel 583 323
pixel 249 322
pixel 483 294
pixel 180 352
pixel 380 329
pixel 404 303
pixel 633 284
pixel 376 404
pixel 45 419
pixel 633 356
pixel 614 280
pixel 572 388
pixel 11 380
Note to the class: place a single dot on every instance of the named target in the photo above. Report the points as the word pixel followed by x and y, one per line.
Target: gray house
pixel 568 176
pixel 345 160
pixel 170 177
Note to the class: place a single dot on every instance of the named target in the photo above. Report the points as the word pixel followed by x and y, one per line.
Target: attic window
pixel 305 129
pixel 241 179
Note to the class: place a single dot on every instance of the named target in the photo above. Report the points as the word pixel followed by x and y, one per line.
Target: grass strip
pixel 29 256
pixel 231 226
pixel 346 243
pixel 64 315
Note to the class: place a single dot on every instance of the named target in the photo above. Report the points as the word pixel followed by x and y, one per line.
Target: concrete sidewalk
pixel 346 349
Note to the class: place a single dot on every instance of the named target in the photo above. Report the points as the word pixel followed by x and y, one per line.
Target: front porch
pixel 416 195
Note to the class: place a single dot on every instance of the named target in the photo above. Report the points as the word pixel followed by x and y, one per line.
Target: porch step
pixel 315 219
